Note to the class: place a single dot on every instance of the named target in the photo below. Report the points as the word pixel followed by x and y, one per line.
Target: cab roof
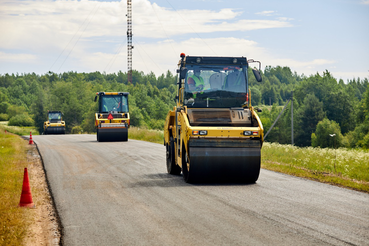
pixel 112 93
pixel 209 60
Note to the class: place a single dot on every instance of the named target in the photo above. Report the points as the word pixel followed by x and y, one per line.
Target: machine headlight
pixel 249 133
pixel 201 132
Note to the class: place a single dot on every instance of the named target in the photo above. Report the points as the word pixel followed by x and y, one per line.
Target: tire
pixel 172 167
pixel 97 136
pixel 125 136
pixel 188 174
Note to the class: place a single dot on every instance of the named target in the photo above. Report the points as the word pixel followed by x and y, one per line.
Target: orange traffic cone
pixel 30 138
pixel 26 196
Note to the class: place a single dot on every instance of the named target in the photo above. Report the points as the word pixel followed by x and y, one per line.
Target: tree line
pixel 323 106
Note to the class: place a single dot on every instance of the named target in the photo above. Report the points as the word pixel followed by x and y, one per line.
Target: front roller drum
pixel 54 130
pixel 221 164
pixel 112 134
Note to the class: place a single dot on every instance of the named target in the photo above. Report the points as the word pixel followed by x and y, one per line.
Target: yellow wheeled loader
pixel 112 121
pixel 55 123
pixel 213 134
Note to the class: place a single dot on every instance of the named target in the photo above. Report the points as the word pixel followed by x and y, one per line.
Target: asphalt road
pixel 119 193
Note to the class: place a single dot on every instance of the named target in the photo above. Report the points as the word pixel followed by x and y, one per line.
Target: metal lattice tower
pixel 129 40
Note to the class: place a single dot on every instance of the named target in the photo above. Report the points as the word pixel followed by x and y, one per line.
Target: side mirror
pixel 257 75
pixel 258 109
pixel 95 98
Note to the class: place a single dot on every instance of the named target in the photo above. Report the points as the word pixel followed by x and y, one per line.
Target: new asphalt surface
pixel 119 193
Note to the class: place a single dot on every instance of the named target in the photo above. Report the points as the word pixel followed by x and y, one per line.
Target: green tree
pixel 269 94
pixel 338 107
pixel 358 137
pixel 327 134
pixel 255 96
pixel 3 95
pixel 4 107
pixel 307 117
pixel 38 111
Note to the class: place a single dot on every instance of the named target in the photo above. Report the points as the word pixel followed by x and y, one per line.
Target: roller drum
pixel 111 135
pixel 55 130
pixel 224 164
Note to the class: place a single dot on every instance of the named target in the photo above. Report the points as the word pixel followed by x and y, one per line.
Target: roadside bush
pixel 365 142
pixel 4 117
pixel 14 110
pixel 77 130
pixel 21 120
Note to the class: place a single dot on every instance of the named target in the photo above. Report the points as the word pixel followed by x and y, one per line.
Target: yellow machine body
pixel 55 123
pixel 213 143
pixel 112 121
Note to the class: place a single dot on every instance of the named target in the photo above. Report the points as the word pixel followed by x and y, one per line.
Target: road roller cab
pixel 213 133
pixel 55 123
pixel 112 121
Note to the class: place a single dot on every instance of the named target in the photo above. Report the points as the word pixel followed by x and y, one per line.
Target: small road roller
pixel 55 123
pixel 213 134
pixel 112 121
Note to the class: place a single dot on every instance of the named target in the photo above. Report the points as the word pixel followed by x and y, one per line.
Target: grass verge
pixel 17 129
pixel 13 219
pixel 342 167
pixel 154 136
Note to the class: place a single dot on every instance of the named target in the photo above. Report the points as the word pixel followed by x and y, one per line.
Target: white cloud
pixel 163 22
pixel 350 75
pixel 53 24
pixel 88 36
pixel 365 1
pixel 266 13
pixel 305 67
pixel 284 19
pixel 161 56
pixel 19 58
pixel 61 32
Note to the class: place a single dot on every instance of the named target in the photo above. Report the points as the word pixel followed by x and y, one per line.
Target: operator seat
pixel 235 81
pixel 216 80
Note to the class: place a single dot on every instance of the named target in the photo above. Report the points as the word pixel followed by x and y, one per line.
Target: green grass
pixel 13 219
pixel 17 129
pixel 154 136
pixel 343 167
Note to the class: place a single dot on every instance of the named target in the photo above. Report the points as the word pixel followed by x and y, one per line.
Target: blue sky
pixel 86 36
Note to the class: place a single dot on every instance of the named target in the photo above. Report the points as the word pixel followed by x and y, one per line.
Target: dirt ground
pixel 45 229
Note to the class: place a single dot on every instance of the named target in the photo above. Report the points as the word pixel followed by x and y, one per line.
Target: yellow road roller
pixel 213 134
pixel 55 123
pixel 112 121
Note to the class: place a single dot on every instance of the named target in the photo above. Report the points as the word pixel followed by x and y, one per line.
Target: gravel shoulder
pixel 44 229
